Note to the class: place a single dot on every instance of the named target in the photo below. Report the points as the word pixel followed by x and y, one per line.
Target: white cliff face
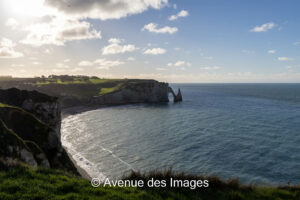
pixel 47 112
pixel 34 127
pixel 151 92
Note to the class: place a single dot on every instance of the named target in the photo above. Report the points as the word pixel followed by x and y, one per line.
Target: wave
pixel 88 166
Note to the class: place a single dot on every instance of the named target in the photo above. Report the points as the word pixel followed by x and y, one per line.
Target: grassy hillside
pixel 73 86
pixel 38 183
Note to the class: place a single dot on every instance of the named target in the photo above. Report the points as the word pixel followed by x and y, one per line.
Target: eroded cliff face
pixel 44 107
pixel 30 129
pixel 145 92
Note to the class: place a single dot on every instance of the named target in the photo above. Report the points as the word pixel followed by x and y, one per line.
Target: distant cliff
pixel 90 91
pixel 140 92
pixel 30 130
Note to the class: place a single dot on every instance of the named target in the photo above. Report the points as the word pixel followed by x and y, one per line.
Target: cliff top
pixel 79 87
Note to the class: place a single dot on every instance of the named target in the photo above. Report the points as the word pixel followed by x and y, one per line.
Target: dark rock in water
pixel 30 130
pixel 177 97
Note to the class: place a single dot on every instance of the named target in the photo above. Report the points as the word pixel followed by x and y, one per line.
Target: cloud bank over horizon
pixel 168 40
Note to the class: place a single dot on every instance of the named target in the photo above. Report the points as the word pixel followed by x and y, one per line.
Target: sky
pixel 185 41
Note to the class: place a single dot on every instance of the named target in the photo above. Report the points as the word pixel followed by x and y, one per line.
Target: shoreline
pixel 66 112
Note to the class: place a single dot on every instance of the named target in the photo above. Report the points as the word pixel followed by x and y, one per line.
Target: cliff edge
pixel 30 130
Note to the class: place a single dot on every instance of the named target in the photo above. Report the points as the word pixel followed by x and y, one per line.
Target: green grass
pixel 27 183
pixel 24 183
pixel 104 91
pixel 49 81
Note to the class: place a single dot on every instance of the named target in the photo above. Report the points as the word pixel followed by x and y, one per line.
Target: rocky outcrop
pixel 29 130
pixel 44 107
pixel 141 92
pixel 178 97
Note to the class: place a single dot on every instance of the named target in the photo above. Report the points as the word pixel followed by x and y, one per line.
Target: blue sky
pixel 204 41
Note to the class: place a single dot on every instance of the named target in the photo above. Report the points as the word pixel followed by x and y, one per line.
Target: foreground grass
pixel 36 183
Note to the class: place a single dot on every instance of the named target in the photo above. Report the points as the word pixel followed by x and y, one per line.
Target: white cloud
pixel 17 65
pixel 77 69
pixel 285 59
pixel 85 63
pixel 208 57
pixel 62 66
pixel 115 48
pixel 59 31
pixel 264 27
pixel 297 43
pixel 271 51
pixel 246 51
pixel 67 60
pixel 183 13
pixel 152 27
pixel 47 51
pixel 107 64
pixel 101 63
pixel 161 69
pixel 11 22
pixel 179 63
pixel 104 9
pixel 131 59
pixel 7 49
pixel 36 63
pixel 155 51
pixel 210 68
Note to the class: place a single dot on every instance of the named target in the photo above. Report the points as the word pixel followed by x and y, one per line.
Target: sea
pixel 249 132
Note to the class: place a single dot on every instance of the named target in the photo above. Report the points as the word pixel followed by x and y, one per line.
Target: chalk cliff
pixel 30 130
pixel 143 92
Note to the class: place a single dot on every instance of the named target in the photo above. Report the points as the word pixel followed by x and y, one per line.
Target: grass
pixel 49 81
pixel 27 183
pixel 104 91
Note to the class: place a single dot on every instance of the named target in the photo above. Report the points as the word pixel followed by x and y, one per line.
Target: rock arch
pixel 177 97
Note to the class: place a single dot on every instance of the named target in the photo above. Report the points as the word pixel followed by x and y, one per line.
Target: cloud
pixel 152 27
pixel 155 51
pixel 59 31
pixel 104 9
pixel 297 43
pixel 115 48
pixel 101 63
pixel 183 13
pixel 210 68
pixel 285 59
pixel 271 51
pixel 246 51
pixel 62 66
pixel 85 63
pixel 263 28
pixel 7 49
pixel 179 63
pixel 36 63
pixel 131 59
pixel 17 65
pixel 161 69
pixel 47 51
pixel 77 69
pixel 107 64
pixel 11 22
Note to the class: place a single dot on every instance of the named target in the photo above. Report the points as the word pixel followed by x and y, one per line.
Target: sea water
pixel 245 131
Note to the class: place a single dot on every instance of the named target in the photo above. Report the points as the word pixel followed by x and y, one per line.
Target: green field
pixel 27 183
